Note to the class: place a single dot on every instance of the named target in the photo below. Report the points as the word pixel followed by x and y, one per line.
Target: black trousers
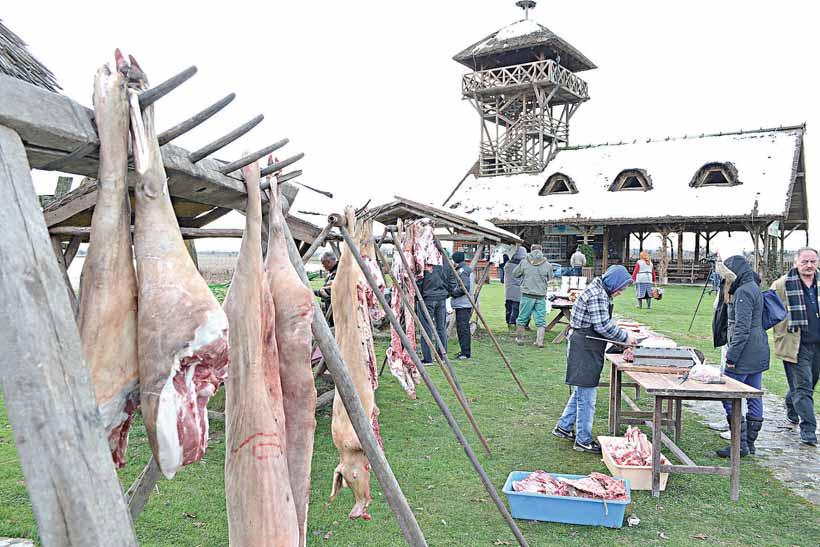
pixel 463 329
pixel 511 308
pixel 438 313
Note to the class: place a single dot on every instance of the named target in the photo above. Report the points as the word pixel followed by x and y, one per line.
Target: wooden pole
pixel 57 247
pixel 488 485
pixel 74 492
pixel 480 316
pixel 140 490
pixel 605 250
pixel 697 245
pixel 438 349
pixel 680 251
pixel 190 245
pixel 320 239
pixel 353 405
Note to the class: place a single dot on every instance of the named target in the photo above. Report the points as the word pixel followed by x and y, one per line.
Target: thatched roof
pixel 17 62
pixel 522 42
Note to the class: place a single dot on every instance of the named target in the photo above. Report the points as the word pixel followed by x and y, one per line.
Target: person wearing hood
pixel 512 288
pixel 535 272
pixel 504 259
pixel 591 316
pixel 738 324
pixel 462 306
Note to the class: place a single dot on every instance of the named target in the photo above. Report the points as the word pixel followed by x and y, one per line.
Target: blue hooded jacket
pixel 615 279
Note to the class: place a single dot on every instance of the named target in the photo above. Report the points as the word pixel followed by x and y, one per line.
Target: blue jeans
pixel 438 313
pixel 754 407
pixel 576 271
pixel 802 377
pixel 579 413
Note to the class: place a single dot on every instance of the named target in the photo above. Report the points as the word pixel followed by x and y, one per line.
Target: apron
pixel 585 358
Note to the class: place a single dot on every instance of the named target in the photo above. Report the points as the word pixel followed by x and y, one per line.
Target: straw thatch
pixel 17 62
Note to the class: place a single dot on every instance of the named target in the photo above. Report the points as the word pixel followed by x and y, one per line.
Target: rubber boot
pixel 744 446
pixel 519 335
pixel 753 427
pixel 539 337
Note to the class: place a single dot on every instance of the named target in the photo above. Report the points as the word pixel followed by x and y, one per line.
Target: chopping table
pixel 666 387
pixel 564 307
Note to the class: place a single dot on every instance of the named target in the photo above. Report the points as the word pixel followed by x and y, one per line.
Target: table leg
pixel 735 455
pixel 618 402
pixel 656 447
pixel 678 412
pixel 611 415
pixel 555 320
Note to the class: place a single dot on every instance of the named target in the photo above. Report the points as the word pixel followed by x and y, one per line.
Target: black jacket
pixel 438 284
pixel 748 345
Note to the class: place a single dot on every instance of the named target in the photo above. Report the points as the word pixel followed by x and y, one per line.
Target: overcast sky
pixel 369 90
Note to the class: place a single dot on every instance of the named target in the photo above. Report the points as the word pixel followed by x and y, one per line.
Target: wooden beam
pixel 57 247
pixel 187 233
pixel 47 393
pixel 605 251
pixel 71 250
pixel 203 220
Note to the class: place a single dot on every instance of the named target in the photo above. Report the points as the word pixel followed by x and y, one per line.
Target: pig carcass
pixel 260 502
pixel 108 308
pixel 353 335
pixel 182 331
pixel 294 313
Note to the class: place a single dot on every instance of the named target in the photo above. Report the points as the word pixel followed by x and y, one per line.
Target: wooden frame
pixel 631 179
pixel 725 170
pixel 551 187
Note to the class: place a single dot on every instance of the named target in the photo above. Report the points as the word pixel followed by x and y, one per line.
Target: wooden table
pixel 564 307
pixel 666 387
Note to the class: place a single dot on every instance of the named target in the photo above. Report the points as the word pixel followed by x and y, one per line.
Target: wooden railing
pixel 538 72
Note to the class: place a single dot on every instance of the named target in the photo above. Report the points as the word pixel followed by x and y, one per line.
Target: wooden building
pixel 747 181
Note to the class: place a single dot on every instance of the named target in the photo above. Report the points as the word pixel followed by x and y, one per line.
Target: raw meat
pixel 353 334
pixel 656 341
pixel 259 498
pixel 182 333
pixel 704 373
pixel 108 308
pixel 629 355
pixel 401 363
pixel 424 247
pixel 596 485
pixel 633 449
pixel 294 312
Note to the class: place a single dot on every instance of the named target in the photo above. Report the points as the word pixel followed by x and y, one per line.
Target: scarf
pixel 797 306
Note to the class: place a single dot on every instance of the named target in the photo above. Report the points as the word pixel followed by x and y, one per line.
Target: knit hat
pixel 458 257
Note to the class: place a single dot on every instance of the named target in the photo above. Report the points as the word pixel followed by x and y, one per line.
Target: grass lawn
pixel 447 497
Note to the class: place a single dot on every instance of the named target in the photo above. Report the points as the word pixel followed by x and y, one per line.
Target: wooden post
pixel 625 253
pixel 394 322
pixel 140 490
pixel 697 245
pixel 72 486
pixel 680 251
pixel 320 239
pixel 190 244
pixel 663 268
pixel 605 251
pixel 57 247
pixel 641 238
pixel 324 338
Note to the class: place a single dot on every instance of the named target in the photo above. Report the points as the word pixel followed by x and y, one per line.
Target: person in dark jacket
pixel 591 316
pixel 747 351
pixel 330 263
pixel 512 289
pixel 461 305
pixel 435 287
pixel 504 259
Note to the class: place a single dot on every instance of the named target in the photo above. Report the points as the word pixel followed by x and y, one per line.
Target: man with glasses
pixel 797 341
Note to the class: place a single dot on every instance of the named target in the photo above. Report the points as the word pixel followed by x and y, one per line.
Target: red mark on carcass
pixel 262 450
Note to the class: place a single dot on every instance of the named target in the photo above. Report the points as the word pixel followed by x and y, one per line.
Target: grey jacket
pixel 512 284
pixel 578 259
pixel 460 300
pixel 534 272
pixel 748 347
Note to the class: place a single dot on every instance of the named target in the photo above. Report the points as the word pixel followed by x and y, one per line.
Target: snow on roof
pixel 519 28
pixel 764 160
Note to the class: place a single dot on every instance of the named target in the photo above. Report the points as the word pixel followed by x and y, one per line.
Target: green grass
pixel 440 485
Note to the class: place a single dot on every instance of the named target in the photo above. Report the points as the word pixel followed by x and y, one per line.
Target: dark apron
pixel 585 358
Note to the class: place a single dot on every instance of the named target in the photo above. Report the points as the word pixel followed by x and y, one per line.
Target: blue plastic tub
pixel 569 510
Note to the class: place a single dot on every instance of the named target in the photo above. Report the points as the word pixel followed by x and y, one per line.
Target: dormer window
pixel 558 183
pixel 631 179
pixel 715 174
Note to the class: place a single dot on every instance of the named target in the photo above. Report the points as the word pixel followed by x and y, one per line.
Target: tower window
pixel 558 183
pixel 631 179
pixel 715 174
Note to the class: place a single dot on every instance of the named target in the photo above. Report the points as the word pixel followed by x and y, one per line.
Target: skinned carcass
pixel 294 313
pixel 182 331
pixel 108 308
pixel 401 363
pixel 354 337
pixel 260 502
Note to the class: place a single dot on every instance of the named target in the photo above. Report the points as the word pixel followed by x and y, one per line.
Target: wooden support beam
pixel 71 251
pixel 204 219
pixel 57 246
pixel 47 393
pixel 680 251
pixel 605 251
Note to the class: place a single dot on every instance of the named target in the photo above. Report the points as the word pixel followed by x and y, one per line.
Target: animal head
pixel 354 472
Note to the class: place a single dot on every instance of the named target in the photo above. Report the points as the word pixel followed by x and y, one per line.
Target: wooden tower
pixel 525 90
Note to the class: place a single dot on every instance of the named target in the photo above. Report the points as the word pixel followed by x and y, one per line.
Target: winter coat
pixel 748 348
pixel 438 284
pixel 535 272
pixel 460 300
pixel 578 260
pixel 512 284
pixel 786 344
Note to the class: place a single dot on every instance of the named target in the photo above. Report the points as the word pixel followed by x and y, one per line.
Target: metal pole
pixel 480 316
pixel 338 220
pixel 438 356
pixel 353 405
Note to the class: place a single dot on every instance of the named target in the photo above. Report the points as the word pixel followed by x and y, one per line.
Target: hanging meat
pixel 260 502
pixel 294 312
pixel 108 308
pixel 353 334
pixel 182 331
pixel 401 363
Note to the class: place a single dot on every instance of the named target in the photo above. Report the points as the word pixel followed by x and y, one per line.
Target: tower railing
pixel 538 72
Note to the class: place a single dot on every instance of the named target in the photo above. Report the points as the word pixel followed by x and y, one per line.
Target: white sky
pixel 368 89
